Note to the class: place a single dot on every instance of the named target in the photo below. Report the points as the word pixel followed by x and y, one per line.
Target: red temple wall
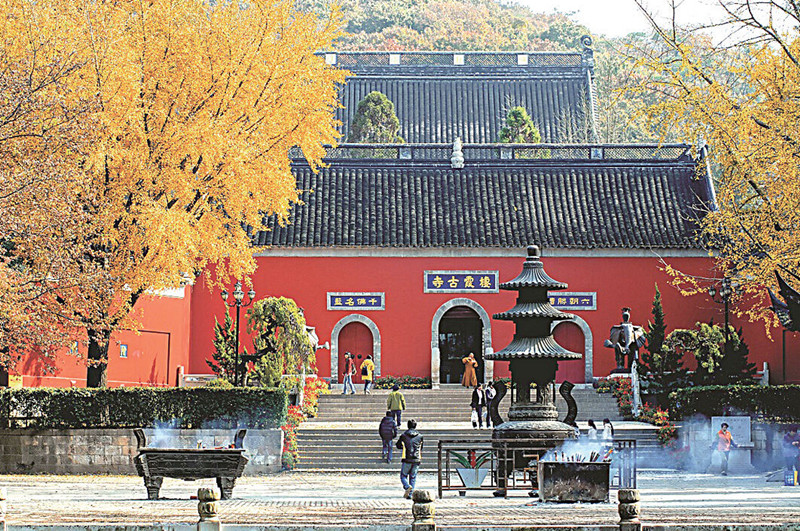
pixel 154 353
pixel 179 331
pixel 405 324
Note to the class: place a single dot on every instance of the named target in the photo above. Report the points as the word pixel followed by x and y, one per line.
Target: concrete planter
pixel 472 477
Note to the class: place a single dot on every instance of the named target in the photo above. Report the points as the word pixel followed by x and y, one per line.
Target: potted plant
pixel 470 472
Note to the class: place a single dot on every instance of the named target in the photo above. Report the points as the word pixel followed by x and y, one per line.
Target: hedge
pixel 130 407
pixel 405 382
pixel 776 402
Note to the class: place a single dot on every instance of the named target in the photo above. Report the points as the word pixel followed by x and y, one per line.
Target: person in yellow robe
pixel 367 371
pixel 469 379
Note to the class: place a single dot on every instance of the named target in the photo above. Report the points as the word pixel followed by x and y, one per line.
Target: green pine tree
pixel 655 334
pixel 735 367
pixel 661 363
pixel 375 121
pixel 519 128
pixel 224 356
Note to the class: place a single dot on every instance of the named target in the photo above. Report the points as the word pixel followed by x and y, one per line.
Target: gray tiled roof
pixel 439 102
pixel 580 204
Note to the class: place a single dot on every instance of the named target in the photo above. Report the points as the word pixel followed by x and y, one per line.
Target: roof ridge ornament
pixel 587 54
pixel 457 158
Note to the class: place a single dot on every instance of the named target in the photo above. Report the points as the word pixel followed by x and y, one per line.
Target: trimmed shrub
pixel 775 402
pixel 135 407
pixel 405 382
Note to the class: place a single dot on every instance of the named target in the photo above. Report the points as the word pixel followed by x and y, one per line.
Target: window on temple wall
pixel 570 336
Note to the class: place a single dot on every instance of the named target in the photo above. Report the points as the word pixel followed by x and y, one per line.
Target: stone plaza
pixel 305 500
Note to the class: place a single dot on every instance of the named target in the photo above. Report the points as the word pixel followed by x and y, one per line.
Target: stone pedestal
pixel 423 511
pixel 3 497
pixel 208 509
pixel 629 510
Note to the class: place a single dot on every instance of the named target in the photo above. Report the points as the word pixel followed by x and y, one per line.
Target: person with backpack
pixel 411 444
pixel 367 371
pixel 396 403
pixel 388 431
pixel 349 371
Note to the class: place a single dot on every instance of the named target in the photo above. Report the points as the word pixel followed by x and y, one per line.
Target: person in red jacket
pixel 724 444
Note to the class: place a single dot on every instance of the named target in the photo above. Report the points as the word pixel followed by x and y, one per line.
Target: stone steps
pixel 360 449
pixel 344 436
pixel 450 405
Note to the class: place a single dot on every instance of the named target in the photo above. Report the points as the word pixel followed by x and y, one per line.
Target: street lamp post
pixel 238 297
pixel 725 292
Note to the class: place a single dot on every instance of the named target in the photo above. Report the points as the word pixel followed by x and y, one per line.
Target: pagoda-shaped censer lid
pixel 533 314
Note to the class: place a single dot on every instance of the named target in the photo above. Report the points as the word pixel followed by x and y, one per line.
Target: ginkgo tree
pixel 46 127
pixel 196 106
pixel 740 97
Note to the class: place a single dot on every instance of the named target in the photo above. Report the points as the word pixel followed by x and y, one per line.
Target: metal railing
pixel 518 460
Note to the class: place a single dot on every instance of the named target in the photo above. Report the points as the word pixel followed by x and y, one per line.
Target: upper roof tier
pixel 439 96
pixel 533 275
pixel 579 196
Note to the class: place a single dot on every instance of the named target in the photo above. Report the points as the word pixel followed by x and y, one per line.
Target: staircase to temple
pixel 344 435
pixel 449 404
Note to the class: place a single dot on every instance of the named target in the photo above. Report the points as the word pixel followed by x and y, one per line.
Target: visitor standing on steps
pixel 396 403
pixel 608 430
pixel 470 363
pixel 478 403
pixel 490 394
pixel 411 444
pixel 592 433
pixel 367 370
pixel 349 371
pixel 388 431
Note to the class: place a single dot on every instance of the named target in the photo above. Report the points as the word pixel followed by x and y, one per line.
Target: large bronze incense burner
pixel 533 356
pixel 224 464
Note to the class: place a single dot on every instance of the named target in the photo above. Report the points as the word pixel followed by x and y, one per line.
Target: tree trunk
pixel 96 375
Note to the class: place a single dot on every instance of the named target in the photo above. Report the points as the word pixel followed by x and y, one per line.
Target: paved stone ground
pixel 298 498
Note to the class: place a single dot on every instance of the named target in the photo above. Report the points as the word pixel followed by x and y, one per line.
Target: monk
pixel 470 363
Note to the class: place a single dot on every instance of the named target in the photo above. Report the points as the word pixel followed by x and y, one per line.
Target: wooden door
pixel 356 339
pixel 570 336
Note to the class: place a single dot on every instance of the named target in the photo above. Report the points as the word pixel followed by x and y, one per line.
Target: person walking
pixel 724 444
pixel 478 403
pixel 349 371
pixel 396 403
pixel 367 371
pixel 608 430
pixel 592 433
pixel 470 363
pixel 411 444
pixel 490 394
pixel 388 431
pixel 791 449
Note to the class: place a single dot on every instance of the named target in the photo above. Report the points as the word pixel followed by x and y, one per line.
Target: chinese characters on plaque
pixel 584 300
pixel 461 282
pixel 356 301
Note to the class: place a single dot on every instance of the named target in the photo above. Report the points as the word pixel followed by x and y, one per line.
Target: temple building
pixel 397 251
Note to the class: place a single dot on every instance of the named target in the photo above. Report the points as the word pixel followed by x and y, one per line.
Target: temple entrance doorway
pixel 570 336
pixel 460 332
pixel 355 338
